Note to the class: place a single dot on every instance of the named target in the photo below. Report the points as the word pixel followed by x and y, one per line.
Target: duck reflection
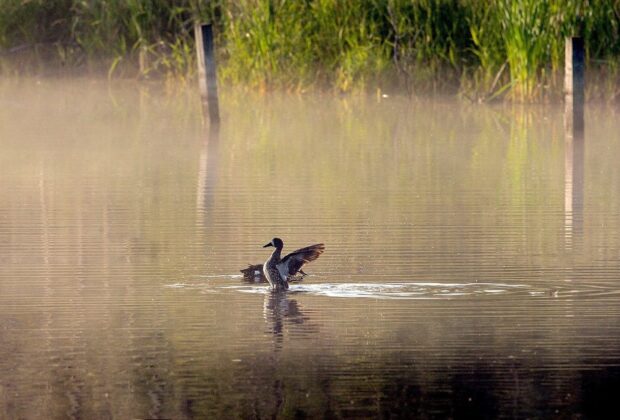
pixel 279 309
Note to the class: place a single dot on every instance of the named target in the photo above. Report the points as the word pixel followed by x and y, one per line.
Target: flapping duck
pixel 279 270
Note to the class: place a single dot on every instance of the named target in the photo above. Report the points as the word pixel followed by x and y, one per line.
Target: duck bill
pixel 268 245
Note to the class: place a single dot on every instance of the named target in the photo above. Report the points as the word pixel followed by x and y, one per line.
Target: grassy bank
pixel 478 48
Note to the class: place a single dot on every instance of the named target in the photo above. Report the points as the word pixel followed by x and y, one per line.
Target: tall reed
pixel 481 48
pixel 528 40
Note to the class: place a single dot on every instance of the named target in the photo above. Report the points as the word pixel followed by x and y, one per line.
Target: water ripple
pixel 419 290
pixel 413 290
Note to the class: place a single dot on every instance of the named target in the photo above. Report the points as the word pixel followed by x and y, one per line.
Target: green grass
pixel 478 48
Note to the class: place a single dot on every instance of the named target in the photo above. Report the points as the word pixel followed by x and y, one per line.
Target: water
pixel 471 267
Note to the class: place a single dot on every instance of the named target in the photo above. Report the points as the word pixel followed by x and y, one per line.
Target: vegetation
pixel 481 49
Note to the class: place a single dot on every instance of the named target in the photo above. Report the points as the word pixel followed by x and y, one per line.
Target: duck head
pixel 275 242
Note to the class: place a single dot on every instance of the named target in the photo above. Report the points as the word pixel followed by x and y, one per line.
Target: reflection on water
pixel 573 185
pixel 471 270
pixel 207 170
pixel 278 308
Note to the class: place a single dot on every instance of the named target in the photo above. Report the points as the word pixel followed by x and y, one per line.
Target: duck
pixel 278 270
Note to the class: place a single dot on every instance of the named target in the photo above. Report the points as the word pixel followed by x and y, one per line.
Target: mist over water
pixel 471 264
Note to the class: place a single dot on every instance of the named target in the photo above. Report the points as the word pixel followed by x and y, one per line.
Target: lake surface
pixel 472 264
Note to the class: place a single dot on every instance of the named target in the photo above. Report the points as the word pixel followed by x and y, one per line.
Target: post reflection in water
pixel 574 158
pixel 207 169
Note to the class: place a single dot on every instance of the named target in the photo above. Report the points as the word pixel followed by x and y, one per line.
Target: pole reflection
pixel 573 184
pixel 207 170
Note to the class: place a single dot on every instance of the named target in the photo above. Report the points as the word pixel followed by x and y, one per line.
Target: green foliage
pixel 528 40
pixel 265 43
pixel 478 47
pixel 294 44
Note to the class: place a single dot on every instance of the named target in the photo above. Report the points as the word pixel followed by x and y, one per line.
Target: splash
pixel 391 290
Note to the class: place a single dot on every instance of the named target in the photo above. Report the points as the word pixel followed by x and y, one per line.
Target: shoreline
pixel 599 88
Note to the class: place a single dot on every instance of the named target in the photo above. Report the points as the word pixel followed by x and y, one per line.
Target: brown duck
pixel 278 270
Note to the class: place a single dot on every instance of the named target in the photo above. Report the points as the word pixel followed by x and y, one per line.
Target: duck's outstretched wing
pixel 293 262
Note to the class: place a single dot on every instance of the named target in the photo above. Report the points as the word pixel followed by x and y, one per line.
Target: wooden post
pixel 207 76
pixel 142 60
pixel 574 85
